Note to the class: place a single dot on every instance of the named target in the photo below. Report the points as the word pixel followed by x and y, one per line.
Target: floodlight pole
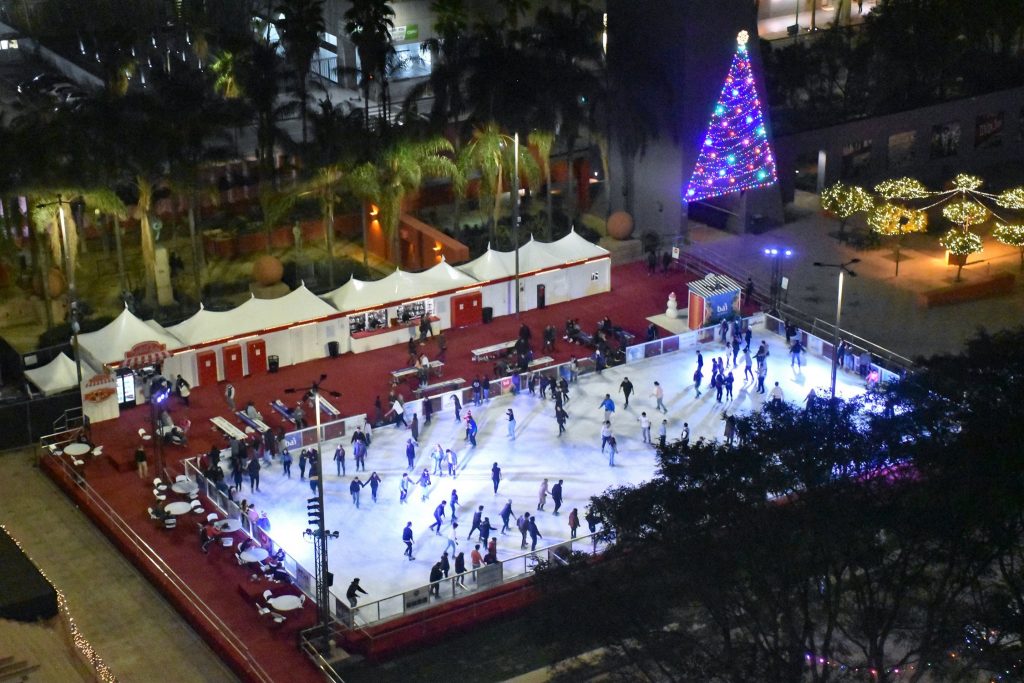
pixel 323 588
pixel 70 275
pixel 843 269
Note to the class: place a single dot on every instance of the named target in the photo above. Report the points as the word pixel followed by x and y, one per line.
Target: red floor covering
pixel 215 577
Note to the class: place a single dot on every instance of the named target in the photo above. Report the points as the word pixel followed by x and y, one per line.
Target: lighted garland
pixel 1010 235
pixel 84 647
pixel 735 154
pixel 1011 199
pixel 845 200
pixel 967 183
pixel 961 242
pixel 892 219
pixel 902 188
pixel 965 213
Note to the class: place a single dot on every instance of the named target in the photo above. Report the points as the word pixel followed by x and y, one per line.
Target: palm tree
pixel 46 215
pixel 260 78
pixel 450 49
pixel 300 26
pixel 369 24
pixel 543 141
pixel 397 171
pixel 326 185
pixel 490 153
pixel 225 68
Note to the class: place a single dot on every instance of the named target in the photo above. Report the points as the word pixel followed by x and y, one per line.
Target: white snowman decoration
pixel 671 309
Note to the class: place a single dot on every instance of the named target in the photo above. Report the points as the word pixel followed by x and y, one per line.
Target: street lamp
pixel 515 209
pixel 843 269
pixel 776 255
pixel 159 392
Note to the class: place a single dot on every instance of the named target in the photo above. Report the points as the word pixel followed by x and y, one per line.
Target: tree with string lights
pixel 1011 236
pixel 844 202
pixel 735 155
pixel 892 220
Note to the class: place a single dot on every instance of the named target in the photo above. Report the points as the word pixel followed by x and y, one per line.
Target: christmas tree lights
pixel 1011 199
pixel 961 243
pixel 1011 236
pixel 735 155
pixel 967 183
pixel 892 220
pixel 965 213
pixel 901 188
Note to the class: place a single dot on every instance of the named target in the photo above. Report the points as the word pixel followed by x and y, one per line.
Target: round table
pixel 76 449
pixel 229 525
pixel 186 487
pixel 283 603
pixel 178 508
pixel 254 555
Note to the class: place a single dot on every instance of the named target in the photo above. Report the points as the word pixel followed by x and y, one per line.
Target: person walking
pixel 697 377
pixel 511 424
pixel 339 460
pixel 407 539
pixel 762 373
pixel 359 452
pixel 659 397
pixel 354 488
pixel 612 450
pixel 606 434
pixel 229 396
pixel 374 482
pixel 747 364
pixel 645 428
pixel 685 436
pixel 560 418
pixel 534 532
pixel 352 593
pixel 556 496
pixel 495 476
pixel 141 463
pixel 608 405
pixel 542 495
pixel 662 433
pixel 478 517
pixel 457 406
pixel 574 522
pixel 453 540
pixel 435 576
pixel 403 488
pixel 506 514
pixel 452 462
pixel 776 396
pixel 253 468
pixel 438 517
pixel 626 387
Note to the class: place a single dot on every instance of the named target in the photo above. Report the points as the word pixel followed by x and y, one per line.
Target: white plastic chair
pixel 197 507
pixel 267 594
pixel 262 611
pixel 212 517
pixel 179 478
pixel 159 484
pixel 170 523
pixel 158 495
pixel 278 618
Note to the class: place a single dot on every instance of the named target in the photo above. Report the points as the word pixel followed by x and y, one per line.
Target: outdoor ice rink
pixel 370 546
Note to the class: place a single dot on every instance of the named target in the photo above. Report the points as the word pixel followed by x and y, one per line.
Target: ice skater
pixel 511 424
pixel 410 453
pixel 608 405
pixel 542 495
pixel 354 488
pixel 645 428
pixel 353 590
pixel 662 433
pixel 339 460
pixel 374 482
pixel 359 453
pixel 495 477
pixel 506 514
pixel 574 522
pixel 659 396
pixel 425 483
pixel 438 517
pixel 697 377
pixel 626 387
pixel 453 502
pixel 478 517
pixel 556 496
pixel 403 488
pixel 606 434
pixel 612 450
pixel 438 456
pixel 534 533
pixel 457 405
pixel 453 541
pixel 452 461
pixel 407 539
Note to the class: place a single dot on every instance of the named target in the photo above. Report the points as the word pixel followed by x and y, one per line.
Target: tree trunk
pixel 329 238
pixel 495 211
pixel 549 235
pixel 44 277
pixel 146 240
pixel 197 265
pixel 122 282
pixel 366 233
pixel 569 177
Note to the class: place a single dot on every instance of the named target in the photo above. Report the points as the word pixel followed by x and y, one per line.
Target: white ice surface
pixel 370 545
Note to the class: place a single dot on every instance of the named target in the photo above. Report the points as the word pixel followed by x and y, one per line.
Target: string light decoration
pixel 961 243
pixel 894 220
pixel 845 201
pixel 901 188
pixel 92 658
pixel 1011 236
pixel 736 154
pixel 964 213
pixel 967 183
pixel 1011 199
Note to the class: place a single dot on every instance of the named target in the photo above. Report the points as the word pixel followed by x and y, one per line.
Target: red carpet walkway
pixel 216 577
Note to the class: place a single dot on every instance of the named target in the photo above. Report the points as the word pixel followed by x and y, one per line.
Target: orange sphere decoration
pixel 55 283
pixel 620 225
pixel 267 270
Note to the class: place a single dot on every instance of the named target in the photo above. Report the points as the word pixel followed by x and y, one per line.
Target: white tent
pixel 58 375
pixel 397 287
pixel 109 344
pixel 536 255
pixel 492 265
pixel 255 314
pixel 572 248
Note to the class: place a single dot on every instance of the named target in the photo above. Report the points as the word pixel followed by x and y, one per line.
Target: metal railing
pixel 156 563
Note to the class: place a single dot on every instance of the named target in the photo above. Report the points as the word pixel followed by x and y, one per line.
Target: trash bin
pixel 488 314
pixel 272 363
pixel 333 349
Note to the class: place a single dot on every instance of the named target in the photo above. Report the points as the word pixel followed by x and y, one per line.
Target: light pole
pixel 515 209
pixel 69 274
pixel 844 269
pixel 776 255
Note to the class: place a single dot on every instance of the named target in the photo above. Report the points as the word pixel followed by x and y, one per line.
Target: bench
pixel 494 349
pixel 537 362
pixel 405 373
pixel 229 429
pixel 282 409
pixel 328 408
pixel 256 423
pixel 438 387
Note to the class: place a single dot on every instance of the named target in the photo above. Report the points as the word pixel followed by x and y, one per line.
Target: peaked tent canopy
pixel 536 255
pixel 398 286
pixel 109 344
pixel 58 375
pixel 492 265
pixel 572 248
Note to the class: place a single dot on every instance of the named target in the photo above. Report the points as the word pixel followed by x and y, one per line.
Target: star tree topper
pixel 736 154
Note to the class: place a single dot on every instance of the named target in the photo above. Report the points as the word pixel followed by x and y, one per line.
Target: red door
pixel 207 361
pixel 232 362
pixel 467 309
pixel 256 354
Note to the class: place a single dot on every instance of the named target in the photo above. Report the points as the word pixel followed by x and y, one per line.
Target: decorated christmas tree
pixel 736 154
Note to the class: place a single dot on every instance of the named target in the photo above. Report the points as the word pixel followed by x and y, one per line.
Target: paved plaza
pixel 370 546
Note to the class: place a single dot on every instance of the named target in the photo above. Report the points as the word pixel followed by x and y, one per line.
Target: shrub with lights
pixel 961 244
pixel 892 220
pixel 844 202
pixel 1011 236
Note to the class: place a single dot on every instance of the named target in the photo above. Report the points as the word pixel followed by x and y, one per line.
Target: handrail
pixel 163 568
pixel 307 646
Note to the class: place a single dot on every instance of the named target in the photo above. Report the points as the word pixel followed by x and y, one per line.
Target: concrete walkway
pixel 138 635
pixel 877 305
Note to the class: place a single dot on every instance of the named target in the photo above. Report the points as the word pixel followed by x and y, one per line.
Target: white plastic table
pixel 283 603
pixel 228 525
pixel 178 508
pixel 76 449
pixel 254 555
pixel 186 487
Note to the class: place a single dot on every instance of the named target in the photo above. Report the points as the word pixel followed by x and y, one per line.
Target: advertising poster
pixel 945 140
pixel 988 131
pixel 901 150
pixel 856 159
